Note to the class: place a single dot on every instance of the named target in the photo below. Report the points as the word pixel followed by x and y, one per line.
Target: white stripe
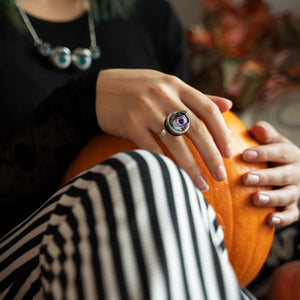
pixel 205 251
pixel 69 264
pixel 56 289
pixel 34 275
pixel 39 295
pixel 217 235
pixel 154 271
pixel 27 238
pixel 128 256
pixel 84 247
pixel 20 261
pixel 24 225
pixel 193 279
pixel 43 210
pixel 167 231
pixel 109 276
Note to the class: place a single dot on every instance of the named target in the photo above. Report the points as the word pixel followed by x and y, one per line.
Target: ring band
pixel 162 133
pixel 177 123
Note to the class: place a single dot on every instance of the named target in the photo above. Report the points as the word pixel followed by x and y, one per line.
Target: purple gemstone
pixel 181 121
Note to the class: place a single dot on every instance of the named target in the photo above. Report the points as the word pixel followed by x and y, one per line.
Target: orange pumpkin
pixel 285 282
pixel 248 237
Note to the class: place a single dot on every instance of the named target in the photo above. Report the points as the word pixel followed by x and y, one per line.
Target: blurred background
pixel 190 10
pixel 249 52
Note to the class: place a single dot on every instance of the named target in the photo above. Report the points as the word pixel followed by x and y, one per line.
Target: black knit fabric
pixel 46 114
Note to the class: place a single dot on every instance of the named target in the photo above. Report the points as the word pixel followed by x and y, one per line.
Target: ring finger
pixel 277 198
pixel 204 143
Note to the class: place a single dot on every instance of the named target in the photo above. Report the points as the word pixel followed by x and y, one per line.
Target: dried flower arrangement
pixel 243 51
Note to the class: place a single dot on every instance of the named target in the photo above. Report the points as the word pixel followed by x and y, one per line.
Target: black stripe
pixel 168 189
pixel 20 226
pixel 111 222
pixel 94 245
pixel 152 211
pixel 216 224
pixel 217 268
pixel 28 231
pixel 222 245
pixel 130 208
pixel 21 251
pixel 60 242
pixel 193 233
pixel 17 277
pixel 216 262
pixel 72 221
pixel 34 289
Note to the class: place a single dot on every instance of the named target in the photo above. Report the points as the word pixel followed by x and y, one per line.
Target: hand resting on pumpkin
pixel 284 174
pixel 147 98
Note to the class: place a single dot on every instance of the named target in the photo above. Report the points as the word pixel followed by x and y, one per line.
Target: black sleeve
pixel 34 159
pixel 174 56
pixel 166 32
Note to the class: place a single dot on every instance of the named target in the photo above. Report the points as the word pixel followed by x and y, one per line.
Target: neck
pixel 56 10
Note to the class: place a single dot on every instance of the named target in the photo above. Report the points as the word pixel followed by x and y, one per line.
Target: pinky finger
pixel 285 217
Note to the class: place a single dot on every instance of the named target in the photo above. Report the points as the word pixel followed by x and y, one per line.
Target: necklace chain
pixel 61 56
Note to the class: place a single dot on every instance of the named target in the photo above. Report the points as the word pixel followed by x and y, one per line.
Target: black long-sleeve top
pixel 47 115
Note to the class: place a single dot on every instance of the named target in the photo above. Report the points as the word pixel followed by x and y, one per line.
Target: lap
pixel 131 227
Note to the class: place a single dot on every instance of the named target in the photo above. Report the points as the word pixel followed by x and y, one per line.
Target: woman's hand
pixel 285 173
pixel 135 103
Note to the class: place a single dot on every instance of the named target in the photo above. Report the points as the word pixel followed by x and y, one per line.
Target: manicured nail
pixel 250 155
pixel 263 199
pixel 201 184
pixel 228 151
pixel 275 221
pixel 221 173
pixel 252 179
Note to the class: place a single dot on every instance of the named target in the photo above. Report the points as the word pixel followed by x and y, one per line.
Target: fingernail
pixel 228 151
pixel 221 173
pixel 201 184
pixel 275 221
pixel 250 155
pixel 252 179
pixel 263 199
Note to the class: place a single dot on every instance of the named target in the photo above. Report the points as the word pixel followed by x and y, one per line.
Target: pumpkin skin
pixel 248 237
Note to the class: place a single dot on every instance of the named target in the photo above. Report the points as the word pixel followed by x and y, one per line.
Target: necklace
pixel 61 56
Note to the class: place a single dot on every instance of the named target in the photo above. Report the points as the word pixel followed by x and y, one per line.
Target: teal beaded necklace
pixel 61 56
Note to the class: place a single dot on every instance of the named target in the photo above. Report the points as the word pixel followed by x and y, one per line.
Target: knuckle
pixel 263 153
pixel 284 156
pixel 171 79
pixel 286 179
pixel 190 169
pixel 197 128
pixel 263 178
pixel 211 109
pixel 294 194
pixel 157 88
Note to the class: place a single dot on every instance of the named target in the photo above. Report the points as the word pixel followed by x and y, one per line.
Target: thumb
pixel 265 133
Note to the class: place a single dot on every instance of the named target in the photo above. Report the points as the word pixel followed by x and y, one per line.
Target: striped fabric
pixel 132 227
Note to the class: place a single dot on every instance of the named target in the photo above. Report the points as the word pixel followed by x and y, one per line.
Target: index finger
pixel 207 111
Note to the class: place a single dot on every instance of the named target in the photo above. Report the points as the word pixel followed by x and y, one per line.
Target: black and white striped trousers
pixel 132 227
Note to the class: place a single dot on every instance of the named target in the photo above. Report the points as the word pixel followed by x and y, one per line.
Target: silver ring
pixel 177 123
